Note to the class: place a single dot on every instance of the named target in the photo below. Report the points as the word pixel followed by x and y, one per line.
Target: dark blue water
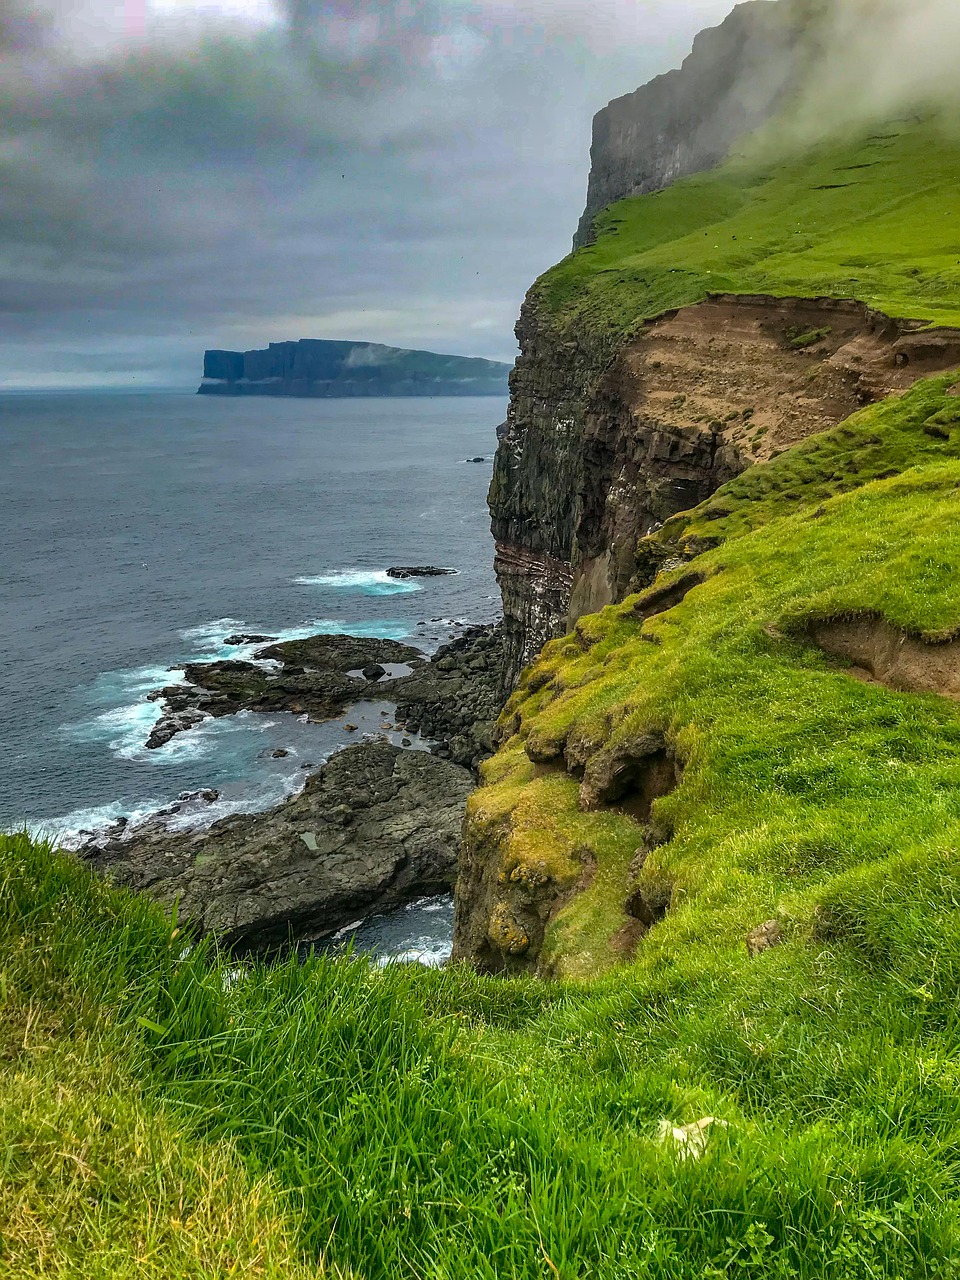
pixel 140 530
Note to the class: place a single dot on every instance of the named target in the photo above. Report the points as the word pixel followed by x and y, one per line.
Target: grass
pixel 415 1124
pixel 886 439
pixel 872 217
pixel 160 1110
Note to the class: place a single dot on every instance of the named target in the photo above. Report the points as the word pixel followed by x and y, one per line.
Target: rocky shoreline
pixel 318 677
pixel 376 827
pixel 452 698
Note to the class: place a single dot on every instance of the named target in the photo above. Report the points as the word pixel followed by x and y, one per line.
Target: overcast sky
pixel 180 174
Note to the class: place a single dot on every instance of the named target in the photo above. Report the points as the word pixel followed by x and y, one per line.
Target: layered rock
pixel 734 80
pixel 605 442
pixel 375 828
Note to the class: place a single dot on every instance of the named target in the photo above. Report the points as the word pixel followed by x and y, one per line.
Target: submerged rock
pixel 375 828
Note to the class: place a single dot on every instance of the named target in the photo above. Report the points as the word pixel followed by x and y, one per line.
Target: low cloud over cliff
pixel 890 55
pixel 176 174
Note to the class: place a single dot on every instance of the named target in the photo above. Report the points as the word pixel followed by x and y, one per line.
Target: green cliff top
pixel 874 218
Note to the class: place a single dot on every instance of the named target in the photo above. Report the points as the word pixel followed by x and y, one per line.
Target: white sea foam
pixel 64 830
pixel 128 716
pixel 368 582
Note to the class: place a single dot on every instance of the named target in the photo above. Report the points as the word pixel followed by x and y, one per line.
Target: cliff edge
pixel 737 76
pixel 707 328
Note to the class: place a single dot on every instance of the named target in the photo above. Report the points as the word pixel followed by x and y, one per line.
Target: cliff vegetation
pixel 710 326
pixel 871 217
pixel 165 1113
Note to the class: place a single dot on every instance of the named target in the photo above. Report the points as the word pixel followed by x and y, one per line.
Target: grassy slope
pixel 443 1125
pixel 875 218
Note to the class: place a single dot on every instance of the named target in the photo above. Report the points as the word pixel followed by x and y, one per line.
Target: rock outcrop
pixel 453 699
pixel 318 368
pixel 456 699
pixel 602 445
pixel 375 828
pixel 319 677
pixel 734 80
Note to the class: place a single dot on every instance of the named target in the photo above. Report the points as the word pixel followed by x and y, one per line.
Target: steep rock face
pixel 736 77
pixel 604 444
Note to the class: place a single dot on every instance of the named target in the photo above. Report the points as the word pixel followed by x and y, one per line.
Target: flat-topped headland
pixel 317 368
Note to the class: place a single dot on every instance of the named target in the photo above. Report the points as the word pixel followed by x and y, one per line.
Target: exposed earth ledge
pixel 883 654
pixel 597 452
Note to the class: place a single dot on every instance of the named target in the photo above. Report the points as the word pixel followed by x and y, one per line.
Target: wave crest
pixel 369 582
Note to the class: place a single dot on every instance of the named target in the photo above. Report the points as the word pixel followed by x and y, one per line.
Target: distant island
pixel 315 367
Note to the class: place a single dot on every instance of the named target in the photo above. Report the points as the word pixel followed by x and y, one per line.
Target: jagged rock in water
pixel 401 572
pixel 313 680
pixel 374 829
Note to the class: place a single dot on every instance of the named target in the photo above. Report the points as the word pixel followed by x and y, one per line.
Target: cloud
pixel 884 56
pixel 177 174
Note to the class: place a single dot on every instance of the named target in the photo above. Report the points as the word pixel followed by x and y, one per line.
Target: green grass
pixel 401 1123
pixel 872 217
pixel 445 1125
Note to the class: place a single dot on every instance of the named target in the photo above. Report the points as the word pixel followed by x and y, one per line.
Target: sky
pixel 184 174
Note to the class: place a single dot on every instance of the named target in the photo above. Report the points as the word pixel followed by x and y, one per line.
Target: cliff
pixel 709 327
pixel 737 744
pixel 318 368
pixel 729 354
pixel 736 77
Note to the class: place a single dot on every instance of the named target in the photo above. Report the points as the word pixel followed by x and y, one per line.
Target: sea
pixel 139 530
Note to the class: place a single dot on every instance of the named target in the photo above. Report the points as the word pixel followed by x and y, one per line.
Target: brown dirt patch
pixel 891 657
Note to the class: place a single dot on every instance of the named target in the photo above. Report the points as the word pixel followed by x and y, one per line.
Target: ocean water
pixel 137 531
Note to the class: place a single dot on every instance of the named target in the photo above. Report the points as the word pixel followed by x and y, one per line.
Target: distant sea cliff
pixel 320 368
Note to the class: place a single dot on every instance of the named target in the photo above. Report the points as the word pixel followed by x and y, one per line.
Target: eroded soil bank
pixel 600 449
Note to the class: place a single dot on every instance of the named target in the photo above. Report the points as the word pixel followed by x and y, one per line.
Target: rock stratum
pixel 316 368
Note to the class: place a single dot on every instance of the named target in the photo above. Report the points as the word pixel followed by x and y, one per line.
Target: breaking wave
pixel 367 582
